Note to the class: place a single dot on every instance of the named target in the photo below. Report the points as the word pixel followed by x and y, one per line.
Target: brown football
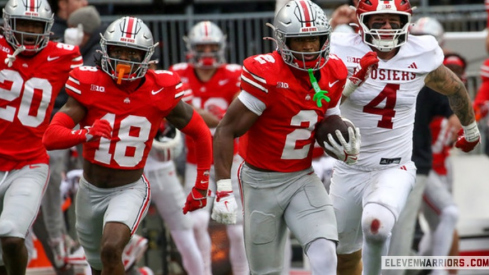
pixel 328 126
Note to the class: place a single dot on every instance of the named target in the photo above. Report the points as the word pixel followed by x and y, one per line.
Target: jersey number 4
pixel 389 94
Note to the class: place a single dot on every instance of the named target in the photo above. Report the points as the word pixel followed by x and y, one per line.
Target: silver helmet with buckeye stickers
pixel 132 33
pixel 302 18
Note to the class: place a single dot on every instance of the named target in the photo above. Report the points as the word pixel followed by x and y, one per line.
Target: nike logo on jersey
pixel 226 204
pixel 52 58
pixel 222 82
pixel 332 84
pixel 155 92
pixel 32 166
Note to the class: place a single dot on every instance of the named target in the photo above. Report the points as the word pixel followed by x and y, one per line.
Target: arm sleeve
pixel 198 131
pixel 59 134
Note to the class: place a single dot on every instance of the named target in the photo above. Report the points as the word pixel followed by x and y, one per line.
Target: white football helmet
pixel 377 37
pixel 128 32
pixel 430 26
pixel 302 18
pixel 204 33
pixel 33 10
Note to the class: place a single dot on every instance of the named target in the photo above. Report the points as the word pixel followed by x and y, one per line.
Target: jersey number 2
pixel 292 148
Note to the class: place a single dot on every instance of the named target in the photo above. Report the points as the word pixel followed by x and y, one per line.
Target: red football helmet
pixel 384 39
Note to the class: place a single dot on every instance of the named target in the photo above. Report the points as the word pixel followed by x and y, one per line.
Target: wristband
pixel 471 132
pixel 224 185
pixel 350 87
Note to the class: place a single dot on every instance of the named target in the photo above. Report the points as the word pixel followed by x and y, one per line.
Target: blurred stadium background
pixel 243 21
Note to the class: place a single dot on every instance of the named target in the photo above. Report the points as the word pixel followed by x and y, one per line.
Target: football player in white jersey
pixel 369 195
pixel 431 106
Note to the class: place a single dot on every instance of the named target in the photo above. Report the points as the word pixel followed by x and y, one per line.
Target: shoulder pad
pixel 178 67
pixel 165 78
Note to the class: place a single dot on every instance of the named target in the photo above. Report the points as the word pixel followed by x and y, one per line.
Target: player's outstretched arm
pixel 60 133
pixel 446 82
pixel 191 123
pixel 368 63
pixel 237 120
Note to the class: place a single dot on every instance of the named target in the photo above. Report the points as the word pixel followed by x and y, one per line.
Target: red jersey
pixel 282 138
pixel 441 137
pixel 134 116
pixel 482 96
pixel 220 91
pixel 28 90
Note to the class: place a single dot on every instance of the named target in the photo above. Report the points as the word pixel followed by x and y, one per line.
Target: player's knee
pixel 8 228
pixel 321 249
pixel 450 214
pixel 377 223
pixel 12 245
pixel 322 256
pixel 111 253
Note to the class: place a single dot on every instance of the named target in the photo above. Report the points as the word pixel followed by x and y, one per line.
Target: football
pixel 328 126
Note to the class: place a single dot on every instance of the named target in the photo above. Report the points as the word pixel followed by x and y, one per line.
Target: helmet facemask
pixel 302 18
pixel 385 40
pixel 123 69
pixel 300 60
pixel 129 33
pixel 17 15
pixel 201 35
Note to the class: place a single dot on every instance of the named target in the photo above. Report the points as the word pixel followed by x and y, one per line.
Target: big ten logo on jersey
pixel 5 49
pixel 353 59
pixel 282 85
pixel 97 88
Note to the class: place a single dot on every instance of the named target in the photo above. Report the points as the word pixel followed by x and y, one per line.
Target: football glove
pixel 368 62
pixel 468 138
pixel 195 199
pixel 225 206
pixel 100 128
pixel 346 151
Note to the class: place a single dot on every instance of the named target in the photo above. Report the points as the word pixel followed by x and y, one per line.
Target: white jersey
pixel 384 106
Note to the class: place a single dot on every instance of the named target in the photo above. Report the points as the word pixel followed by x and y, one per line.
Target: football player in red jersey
pixel 275 115
pixel 214 85
pixel 33 70
pixel 119 105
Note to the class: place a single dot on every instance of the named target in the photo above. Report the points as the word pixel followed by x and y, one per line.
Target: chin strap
pixel 11 57
pixel 319 94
